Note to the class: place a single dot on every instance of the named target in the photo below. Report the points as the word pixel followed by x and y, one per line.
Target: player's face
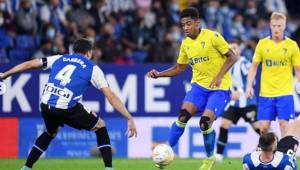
pixel 277 27
pixel 190 26
pixel 235 47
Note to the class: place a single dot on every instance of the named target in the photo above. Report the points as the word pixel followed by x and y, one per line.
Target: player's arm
pixel 231 59
pixel 32 64
pixel 297 72
pixel 173 71
pixel 250 79
pixel 296 62
pixel 115 101
pixel 98 81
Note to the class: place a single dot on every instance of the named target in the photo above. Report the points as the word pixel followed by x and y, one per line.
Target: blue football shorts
pixel 202 98
pixel 271 107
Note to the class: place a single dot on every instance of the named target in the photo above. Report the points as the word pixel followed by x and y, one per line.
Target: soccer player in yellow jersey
pixel 278 55
pixel 210 57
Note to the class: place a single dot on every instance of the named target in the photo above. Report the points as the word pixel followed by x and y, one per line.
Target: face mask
pixel 2 6
pixel 176 36
pixel 55 50
pixel 1 21
pixel 26 10
pixel 50 33
pixel 175 7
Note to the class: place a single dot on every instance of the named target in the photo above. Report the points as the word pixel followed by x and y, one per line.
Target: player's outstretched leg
pixel 41 145
pixel 178 127
pixel 221 143
pixel 209 136
pixel 104 147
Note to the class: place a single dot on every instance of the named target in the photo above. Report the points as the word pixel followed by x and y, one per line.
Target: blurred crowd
pixel 130 31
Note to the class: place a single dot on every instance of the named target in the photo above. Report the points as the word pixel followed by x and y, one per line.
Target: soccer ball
pixel 162 155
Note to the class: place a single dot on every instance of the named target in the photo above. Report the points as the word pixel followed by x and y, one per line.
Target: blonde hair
pixel 277 16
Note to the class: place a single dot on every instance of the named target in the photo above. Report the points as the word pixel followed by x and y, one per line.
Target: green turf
pixel 119 164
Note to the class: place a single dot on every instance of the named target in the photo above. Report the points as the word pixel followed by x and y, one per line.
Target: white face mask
pixel 51 33
pixel 1 21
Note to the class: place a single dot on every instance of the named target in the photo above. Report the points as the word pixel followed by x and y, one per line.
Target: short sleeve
pixel 296 55
pixel 48 61
pixel 219 43
pixel 257 57
pixel 98 80
pixel 183 57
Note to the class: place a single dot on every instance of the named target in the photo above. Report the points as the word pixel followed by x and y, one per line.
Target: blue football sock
pixel 209 137
pixel 177 130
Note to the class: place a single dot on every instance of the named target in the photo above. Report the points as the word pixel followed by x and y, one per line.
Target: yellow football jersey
pixel 277 61
pixel 205 54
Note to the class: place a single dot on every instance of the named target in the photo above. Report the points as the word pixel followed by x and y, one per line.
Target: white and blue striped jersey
pixel 239 73
pixel 281 161
pixel 70 75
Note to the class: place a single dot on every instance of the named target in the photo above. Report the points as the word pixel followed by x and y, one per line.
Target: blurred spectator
pixel 108 45
pixel 80 16
pixel 275 5
pixel 138 37
pixel 167 51
pixel 97 55
pixel 25 18
pixel 58 45
pixel 173 12
pixel 45 49
pixel 237 28
pixel 97 11
pixel 125 58
pixel 130 31
pixel 120 5
pixel 52 13
pixel 211 14
pixel 145 4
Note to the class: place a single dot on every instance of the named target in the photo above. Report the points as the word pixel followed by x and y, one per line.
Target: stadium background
pixel 131 37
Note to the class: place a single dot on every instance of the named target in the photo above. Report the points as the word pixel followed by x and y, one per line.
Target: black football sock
pixel 222 141
pixel 104 146
pixel 41 145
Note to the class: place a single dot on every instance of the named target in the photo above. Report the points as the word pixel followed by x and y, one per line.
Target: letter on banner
pixel 16 91
pixel 152 92
pixel 127 94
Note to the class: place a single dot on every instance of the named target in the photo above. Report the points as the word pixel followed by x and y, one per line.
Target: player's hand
pixel 153 74
pixel 216 82
pixel 131 129
pixel 250 92
pixel 235 95
pixel 2 76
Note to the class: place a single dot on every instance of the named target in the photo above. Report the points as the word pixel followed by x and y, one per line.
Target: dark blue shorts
pixel 271 107
pixel 202 98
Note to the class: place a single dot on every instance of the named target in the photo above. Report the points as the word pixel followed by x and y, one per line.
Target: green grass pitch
pixel 119 164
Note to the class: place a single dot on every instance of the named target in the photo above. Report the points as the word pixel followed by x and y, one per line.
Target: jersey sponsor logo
pixel 276 63
pixel 75 60
pixel 196 60
pixel 285 50
pixel 202 44
pixel 58 91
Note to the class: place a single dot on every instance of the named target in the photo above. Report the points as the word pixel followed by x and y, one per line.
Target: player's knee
pixel 204 123
pixel 100 124
pixel 184 116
